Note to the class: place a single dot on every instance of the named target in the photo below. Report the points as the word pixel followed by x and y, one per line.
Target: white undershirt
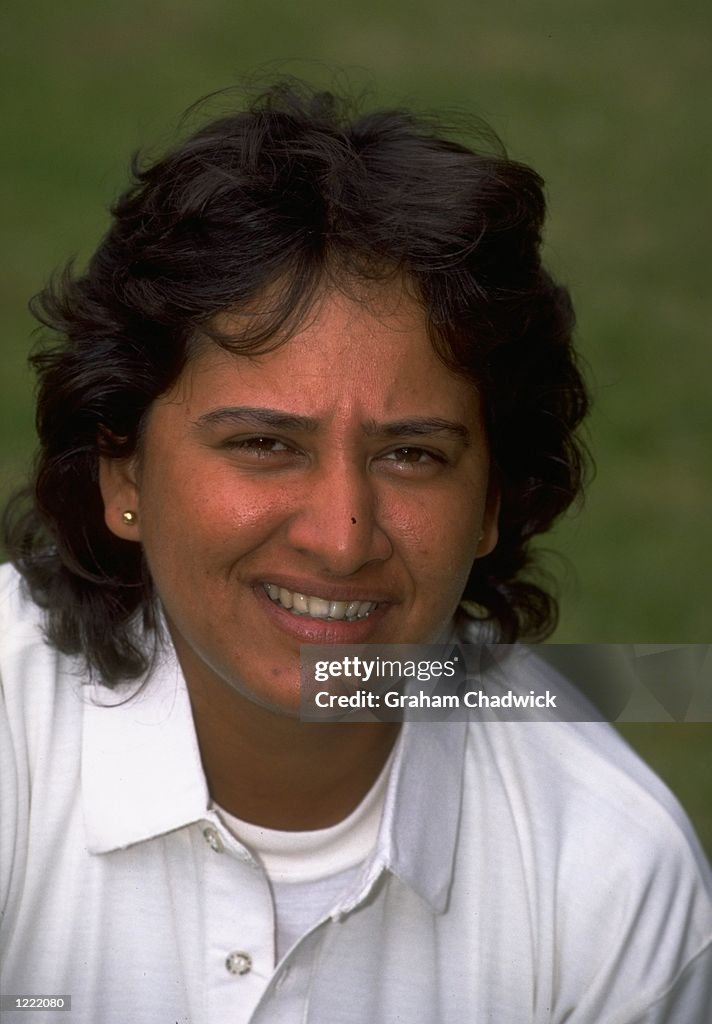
pixel 308 871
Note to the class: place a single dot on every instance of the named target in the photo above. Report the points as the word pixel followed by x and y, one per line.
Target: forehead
pixel 369 354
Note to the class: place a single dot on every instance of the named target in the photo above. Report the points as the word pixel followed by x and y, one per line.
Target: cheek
pixel 190 516
pixel 201 492
pixel 438 534
pixel 236 512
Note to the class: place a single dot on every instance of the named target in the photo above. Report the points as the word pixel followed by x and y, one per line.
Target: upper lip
pixel 331 591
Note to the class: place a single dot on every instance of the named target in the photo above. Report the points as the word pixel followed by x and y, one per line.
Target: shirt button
pixel 212 838
pixel 238 963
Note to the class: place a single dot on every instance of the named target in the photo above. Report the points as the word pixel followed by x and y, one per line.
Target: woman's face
pixel 335 490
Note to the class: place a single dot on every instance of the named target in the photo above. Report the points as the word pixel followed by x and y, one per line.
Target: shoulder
pixel 40 733
pixel 20 617
pixel 28 663
pixel 579 773
pixel 604 857
pixel 39 686
pixel 579 786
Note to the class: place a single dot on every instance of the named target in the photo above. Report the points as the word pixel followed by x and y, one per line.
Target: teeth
pixel 319 607
pixel 337 609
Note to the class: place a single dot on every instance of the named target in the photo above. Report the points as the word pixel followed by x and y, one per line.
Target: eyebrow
pixel 420 426
pixel 276 419
pixel 256 416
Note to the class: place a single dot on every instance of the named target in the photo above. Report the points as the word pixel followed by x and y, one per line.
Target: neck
pixel 277 771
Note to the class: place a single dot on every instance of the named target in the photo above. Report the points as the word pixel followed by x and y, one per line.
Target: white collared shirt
pixel 523 873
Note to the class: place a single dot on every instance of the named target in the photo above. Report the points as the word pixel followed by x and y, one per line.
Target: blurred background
pixel 610 103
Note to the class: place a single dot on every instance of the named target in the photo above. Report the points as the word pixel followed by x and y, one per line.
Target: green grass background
pixel 608 100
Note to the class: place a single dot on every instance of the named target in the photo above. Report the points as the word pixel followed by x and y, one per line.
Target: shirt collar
pixel 142 777
pixel 141 770
pixel 418 834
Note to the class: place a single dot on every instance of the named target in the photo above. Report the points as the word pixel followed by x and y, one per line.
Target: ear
pixel 120 493
pixel 490 522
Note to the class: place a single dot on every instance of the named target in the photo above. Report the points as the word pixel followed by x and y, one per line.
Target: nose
pixel 335 520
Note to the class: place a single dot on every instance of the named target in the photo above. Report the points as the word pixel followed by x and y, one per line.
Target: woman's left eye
pixel 413 457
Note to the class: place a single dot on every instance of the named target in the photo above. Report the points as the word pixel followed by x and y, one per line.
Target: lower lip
pixel 321 631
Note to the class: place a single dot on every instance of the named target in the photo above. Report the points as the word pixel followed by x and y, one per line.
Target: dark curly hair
pixel 297 188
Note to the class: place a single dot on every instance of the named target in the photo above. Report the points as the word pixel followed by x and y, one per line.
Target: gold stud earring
pixel 129 517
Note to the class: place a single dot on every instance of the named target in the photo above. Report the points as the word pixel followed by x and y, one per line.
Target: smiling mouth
pixel 319 607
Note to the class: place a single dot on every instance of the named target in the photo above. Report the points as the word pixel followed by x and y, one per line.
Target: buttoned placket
pixel 243 982
pixel 239 935
pixel 288 996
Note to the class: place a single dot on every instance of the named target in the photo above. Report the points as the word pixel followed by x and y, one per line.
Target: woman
pixel 314 387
